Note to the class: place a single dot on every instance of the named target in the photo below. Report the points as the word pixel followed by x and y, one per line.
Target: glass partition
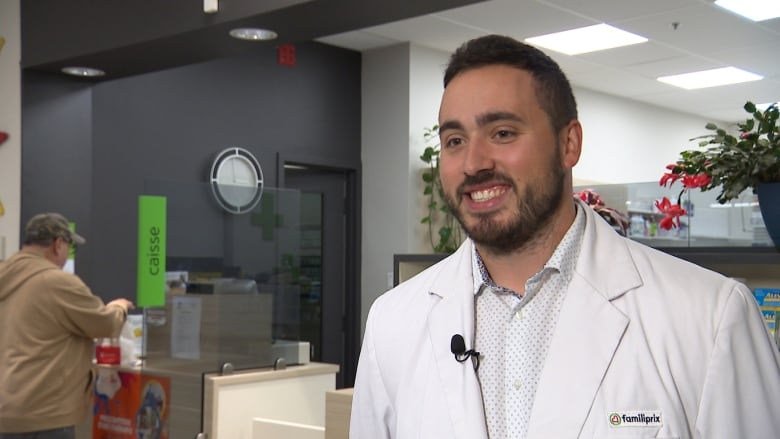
pixel 707 224
pixel 234 282
pixel 233 301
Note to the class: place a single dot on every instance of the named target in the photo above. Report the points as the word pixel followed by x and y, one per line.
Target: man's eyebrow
pixel 450 125
pixel 484 119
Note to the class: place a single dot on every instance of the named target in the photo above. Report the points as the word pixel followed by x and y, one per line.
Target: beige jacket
pixel 48 320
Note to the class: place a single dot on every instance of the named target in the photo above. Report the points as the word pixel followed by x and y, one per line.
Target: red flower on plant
pixel 689 181
pixel 670 177
pixel 590 197
pixel 695 181
pixel 616 219
pixel 673 213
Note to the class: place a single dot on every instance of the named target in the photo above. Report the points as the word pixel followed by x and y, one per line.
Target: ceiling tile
pixel 703 29
pixel 517 18
pixel 610 10
pixel 753 58
pixel 617 82
pixel 637 54
pixel 428 31
pixel 358 40
pixel 673 66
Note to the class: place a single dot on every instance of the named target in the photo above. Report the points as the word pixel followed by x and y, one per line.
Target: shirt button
pixel 517 384
pixel 520 315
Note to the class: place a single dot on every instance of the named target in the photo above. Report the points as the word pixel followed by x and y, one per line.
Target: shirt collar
pixel 563 259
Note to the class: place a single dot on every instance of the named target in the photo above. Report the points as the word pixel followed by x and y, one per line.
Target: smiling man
pixel 574 330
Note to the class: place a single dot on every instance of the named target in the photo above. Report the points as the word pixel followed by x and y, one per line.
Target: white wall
pixel 425 89
pixel 624 141
pixel 10 122
pixel 385 166
pixel 402 87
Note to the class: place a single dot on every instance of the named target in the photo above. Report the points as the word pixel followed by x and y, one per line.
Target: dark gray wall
pixel 107 142
pixel 57 151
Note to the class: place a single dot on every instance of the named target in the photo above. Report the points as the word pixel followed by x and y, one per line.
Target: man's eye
pixel 455 141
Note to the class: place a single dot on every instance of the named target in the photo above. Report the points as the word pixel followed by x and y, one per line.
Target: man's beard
pixel 535 210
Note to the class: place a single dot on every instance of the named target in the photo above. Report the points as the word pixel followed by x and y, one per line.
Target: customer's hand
pixel 124 303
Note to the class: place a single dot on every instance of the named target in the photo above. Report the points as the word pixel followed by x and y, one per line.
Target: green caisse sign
pixel 151 250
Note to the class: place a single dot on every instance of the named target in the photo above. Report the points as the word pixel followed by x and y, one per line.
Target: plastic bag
pixel 131 340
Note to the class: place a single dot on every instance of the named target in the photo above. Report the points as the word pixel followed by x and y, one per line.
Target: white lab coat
pixel 639 332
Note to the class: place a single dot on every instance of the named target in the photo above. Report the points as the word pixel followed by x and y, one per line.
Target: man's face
pixel 61 251
pixel 501 166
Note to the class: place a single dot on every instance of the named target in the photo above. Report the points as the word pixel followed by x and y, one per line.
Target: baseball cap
pixel 49 226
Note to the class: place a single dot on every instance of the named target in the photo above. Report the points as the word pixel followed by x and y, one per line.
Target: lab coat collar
pixel 454 314
pixel 605 262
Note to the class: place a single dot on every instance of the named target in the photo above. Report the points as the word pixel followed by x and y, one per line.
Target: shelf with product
pixel 727 238
pixel 730 239
pixel 706 224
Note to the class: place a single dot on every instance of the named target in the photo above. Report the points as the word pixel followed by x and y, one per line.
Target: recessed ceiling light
pixel 710 78
pixel 83 71
pixel 586 39
pixel 756 10
pixel 253 34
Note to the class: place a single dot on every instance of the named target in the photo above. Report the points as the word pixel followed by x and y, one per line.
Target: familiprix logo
pixel 642 418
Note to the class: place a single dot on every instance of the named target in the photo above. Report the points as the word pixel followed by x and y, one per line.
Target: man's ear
pixel 57 247
pixel 570 138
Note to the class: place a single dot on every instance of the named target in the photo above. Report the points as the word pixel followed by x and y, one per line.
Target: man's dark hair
pixel 553 90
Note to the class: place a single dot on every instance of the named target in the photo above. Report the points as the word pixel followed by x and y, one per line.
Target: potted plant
pixel 732 163
pixel 449 233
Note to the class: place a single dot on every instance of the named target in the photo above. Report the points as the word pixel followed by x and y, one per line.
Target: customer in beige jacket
pixel 48 320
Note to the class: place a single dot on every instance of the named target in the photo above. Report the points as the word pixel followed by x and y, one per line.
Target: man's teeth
pixel 486 194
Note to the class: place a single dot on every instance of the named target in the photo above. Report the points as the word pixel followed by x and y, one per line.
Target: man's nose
pixel 478 157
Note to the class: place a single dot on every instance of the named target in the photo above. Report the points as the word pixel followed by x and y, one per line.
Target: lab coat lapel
pixel 586 337
pixel 454 314
pixel 588 333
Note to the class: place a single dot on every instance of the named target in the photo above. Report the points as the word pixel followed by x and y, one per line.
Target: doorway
pixel 330 318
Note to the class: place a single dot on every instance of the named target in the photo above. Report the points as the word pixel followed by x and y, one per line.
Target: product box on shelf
pixel 767 296
pixel 769 301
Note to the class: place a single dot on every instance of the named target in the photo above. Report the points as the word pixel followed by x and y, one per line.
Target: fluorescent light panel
pixel 756 10
pixel 710 78
pixel 586 39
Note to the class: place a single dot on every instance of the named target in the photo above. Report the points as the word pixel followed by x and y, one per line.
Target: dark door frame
pixel 352 310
